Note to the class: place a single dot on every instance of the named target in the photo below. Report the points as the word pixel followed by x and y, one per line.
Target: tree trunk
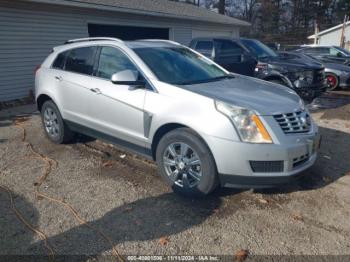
pixel 221 7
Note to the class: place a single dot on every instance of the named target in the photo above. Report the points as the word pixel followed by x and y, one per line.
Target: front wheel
pixel 186 163
pixel 332 81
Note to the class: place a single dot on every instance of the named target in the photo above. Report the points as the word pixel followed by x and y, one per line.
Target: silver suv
pixel 202 125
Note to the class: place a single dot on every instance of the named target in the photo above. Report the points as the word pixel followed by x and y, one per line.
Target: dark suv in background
pixel 228 53
pixel 305 77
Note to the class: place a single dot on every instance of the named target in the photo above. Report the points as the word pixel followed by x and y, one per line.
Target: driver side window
pixel 112 61
pixel 335 52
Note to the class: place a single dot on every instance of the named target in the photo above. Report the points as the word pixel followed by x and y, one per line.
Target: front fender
pixel 273 74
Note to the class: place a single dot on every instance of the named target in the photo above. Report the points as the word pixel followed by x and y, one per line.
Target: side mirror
pixel 127 77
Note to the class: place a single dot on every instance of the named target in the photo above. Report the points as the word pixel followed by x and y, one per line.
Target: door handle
pixel 96 91
pixel 59 78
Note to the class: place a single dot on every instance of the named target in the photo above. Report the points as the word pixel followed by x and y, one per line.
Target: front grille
pixel 297 122
pixel 298 161
pixel 319 76
pixel 267 166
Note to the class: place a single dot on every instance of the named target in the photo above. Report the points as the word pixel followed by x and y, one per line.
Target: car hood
pixel 334 66
pixel 293 64
pixel 263 97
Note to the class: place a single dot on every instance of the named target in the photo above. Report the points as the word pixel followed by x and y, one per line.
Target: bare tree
pixel 222 7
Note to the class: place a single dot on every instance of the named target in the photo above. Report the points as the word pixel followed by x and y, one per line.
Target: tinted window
pixel 204 46
pixel 112 61
pixel 81 60
pixel 60 60
pixel 227 47
pixel 317 51
pixel 176 65
pixel 259 49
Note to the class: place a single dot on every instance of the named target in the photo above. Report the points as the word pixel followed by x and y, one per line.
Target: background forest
pixel 283 21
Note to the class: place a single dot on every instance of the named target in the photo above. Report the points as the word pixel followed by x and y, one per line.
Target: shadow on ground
pixel 145 219
pixel 330 100
pixel 15 238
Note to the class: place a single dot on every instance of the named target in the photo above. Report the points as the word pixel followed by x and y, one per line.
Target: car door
pixel 234 57
pixel 73 84
pixel 116 110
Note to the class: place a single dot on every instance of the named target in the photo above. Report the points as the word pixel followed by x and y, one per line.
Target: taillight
pixel 36 69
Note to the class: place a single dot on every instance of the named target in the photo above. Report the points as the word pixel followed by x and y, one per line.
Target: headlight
pixel 307 76
pixel 247 123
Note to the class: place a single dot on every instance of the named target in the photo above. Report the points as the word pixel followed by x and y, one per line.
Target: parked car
pixel 305 77
pixel 337 75
pixel 327 54
pixel 229 53
pixel 203 125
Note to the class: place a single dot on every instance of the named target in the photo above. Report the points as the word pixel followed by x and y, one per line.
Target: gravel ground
pixel 122 196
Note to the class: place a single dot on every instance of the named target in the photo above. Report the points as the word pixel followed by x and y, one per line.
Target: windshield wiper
pixel 207 80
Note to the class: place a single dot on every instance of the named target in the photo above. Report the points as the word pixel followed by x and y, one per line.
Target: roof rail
pixel 93 39
pixel 161 40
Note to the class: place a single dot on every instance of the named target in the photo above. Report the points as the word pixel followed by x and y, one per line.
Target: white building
pixel 332 36
pixel 29 29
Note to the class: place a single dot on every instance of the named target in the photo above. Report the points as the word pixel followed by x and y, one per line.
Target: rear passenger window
pixel 206 46
pixel 112 61
pixel 60 60
pixel 227 47
pixel 81 60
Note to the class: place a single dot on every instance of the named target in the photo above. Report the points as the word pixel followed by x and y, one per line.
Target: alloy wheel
pixel 51 122
pixel 332 82
pixel 182 165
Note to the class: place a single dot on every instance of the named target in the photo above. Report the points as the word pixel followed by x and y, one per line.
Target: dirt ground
pixel 129 207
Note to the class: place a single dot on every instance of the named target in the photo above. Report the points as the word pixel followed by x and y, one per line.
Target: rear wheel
pixel 333 81
pixel 55 127
pixel 186 163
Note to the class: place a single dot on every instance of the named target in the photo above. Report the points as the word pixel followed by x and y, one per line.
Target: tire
pixel 333 81
pixel 54 126
pixel 202 177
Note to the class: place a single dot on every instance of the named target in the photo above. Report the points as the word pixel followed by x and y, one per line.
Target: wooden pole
pixel 342 36
pixel 316 33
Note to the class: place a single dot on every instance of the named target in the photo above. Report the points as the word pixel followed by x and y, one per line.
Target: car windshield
pixel 180 66
pixel 258 48
pixel 346 52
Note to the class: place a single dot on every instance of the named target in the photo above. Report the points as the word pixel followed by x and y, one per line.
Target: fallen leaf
pixel 107 164
pixel 39 198
pixel 297 217
pixel 241 255
pixel 128 209
pixel 327 179
pixel 163 241
pixel 263 201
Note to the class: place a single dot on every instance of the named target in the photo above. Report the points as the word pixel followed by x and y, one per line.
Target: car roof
pixel 144 43
pixel 215 38
pixel 83 42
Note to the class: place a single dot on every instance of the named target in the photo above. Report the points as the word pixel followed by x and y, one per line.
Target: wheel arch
pixel 41 99
pixel 165 129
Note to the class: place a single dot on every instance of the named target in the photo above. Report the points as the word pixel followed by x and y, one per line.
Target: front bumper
pixel 311 92
pixel 234 160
